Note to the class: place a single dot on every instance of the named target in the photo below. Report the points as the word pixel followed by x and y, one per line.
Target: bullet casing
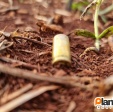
pixel 61 49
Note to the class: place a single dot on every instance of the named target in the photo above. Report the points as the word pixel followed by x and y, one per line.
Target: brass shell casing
pixel 61 49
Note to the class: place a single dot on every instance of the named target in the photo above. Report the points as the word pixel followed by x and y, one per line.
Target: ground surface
pixel 90 68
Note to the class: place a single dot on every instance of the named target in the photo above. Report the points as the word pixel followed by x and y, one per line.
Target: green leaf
pixel 78 5
pixel 106 33
pixel 84 33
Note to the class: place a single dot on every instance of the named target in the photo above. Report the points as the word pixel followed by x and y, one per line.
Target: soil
pixel 90 68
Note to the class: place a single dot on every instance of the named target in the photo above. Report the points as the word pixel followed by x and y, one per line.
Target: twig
pixel 10 3
pixel 27 51
pixel 26 97
pixel 5 44
pixel 34 110
pixel 4 89
pixel 71 107
pixel 16 94
pixel 20 63
pixel 44 53
pixel 31 110
pixel 31 40
pixel 87 8
pixel 37 77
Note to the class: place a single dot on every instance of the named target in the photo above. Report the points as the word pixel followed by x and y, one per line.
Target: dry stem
pixel 26 97
pixel 69 81
pixel 20 63
pixel 31 40
pixel 16 93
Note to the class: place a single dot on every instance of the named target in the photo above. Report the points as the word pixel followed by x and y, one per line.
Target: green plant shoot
pixel 81 32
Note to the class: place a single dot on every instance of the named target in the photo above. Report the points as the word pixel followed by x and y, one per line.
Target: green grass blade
pixel 106 33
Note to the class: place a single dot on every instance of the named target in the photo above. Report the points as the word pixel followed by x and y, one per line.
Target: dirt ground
pixel 88 69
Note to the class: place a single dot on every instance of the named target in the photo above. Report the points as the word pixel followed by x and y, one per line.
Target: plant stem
pixel 96 18
pixel 96 22
pixel 98 3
